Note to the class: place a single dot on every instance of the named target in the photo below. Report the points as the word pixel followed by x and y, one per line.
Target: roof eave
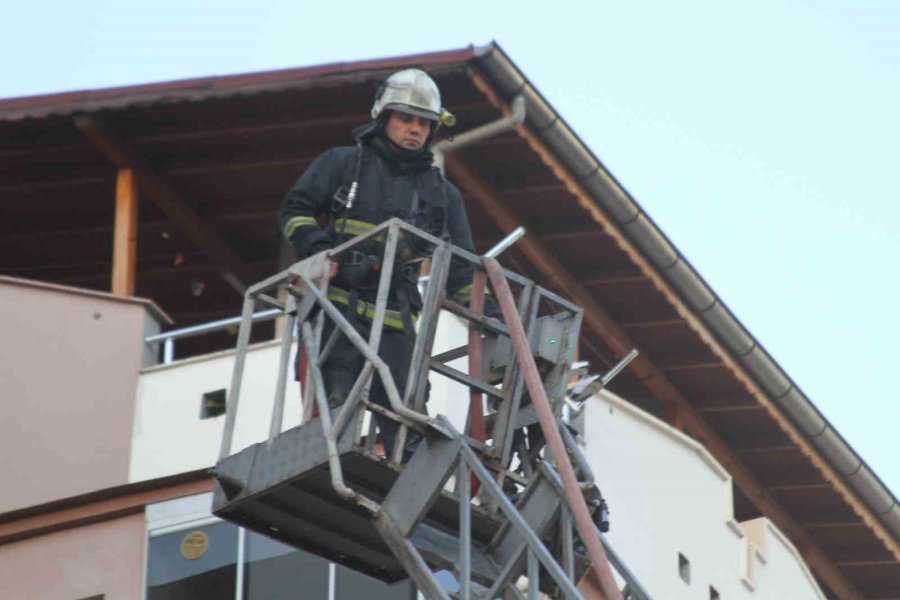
pixel 640 229
pixel 82 101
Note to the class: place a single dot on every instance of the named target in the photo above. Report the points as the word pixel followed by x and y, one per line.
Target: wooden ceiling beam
pixel 26 151
pixel 698 366
pixel 568 236
pixel 835 525
pixel 243 130
pixel 615 280
pixel 153 224
pixel 311 122
pixel 712 410
pixel 19 238
pixel 867 563
pixel 234 270
pixel 631 325
pixel 653 377
pixel 93 266
pixel 532 190
pixel 147 264
pixel 768 449
pixel 97 279
pixel 800 487
pixel 246 165
pixel 45 184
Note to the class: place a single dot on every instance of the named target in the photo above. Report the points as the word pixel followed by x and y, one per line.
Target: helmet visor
pixel 413 110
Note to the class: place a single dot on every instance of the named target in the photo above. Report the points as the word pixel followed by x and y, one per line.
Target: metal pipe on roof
pixel 506 242
pixel 495 250
pixel 641 229
pixel 515 118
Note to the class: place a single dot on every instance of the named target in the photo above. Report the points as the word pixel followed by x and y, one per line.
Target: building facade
pixel 723 478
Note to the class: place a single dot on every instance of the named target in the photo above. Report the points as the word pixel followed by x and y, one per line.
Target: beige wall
pixel 103 558
pixel 69 363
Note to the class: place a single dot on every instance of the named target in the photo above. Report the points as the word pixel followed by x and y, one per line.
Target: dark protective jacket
pixel 391 184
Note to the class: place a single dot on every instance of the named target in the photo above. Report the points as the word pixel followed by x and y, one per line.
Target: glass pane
pixel 352 585
pixel 447 581
pixel 194 563
pixel 275 571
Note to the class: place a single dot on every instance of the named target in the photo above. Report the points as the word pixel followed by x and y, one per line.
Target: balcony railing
pixel 167 338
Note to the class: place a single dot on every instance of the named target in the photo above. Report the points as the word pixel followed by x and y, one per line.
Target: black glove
pixel 320 246
pixel 491 308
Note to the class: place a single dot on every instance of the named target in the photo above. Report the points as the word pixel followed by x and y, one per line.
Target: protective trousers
pixel 345 362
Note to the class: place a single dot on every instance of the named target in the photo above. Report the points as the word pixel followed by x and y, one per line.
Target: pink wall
pixel 103 558
pixel 69 363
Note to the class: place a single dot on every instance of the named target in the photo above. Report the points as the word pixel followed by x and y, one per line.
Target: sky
pixel 760 136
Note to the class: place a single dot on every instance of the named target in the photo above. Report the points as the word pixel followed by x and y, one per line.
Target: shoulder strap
pixel 345 195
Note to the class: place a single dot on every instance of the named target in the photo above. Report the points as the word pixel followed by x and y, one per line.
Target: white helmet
pixel 411 91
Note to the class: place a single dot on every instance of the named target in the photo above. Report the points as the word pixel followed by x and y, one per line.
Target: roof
pixel 227 148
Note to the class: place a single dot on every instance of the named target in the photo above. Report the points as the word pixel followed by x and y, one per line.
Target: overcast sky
pixel 762 137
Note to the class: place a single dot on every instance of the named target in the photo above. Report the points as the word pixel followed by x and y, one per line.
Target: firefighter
pixel 388 173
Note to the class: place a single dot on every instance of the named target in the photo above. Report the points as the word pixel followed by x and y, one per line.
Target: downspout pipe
pixel 515 118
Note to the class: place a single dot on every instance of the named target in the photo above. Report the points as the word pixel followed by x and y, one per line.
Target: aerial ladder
pixel 508 504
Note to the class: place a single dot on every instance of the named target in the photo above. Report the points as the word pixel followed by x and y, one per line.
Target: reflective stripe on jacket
pixel 392 318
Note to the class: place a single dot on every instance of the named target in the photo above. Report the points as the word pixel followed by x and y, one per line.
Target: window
pixel 273 571
pixel 199 562
pixel 212 404
pixel 192 554
pixel 352 585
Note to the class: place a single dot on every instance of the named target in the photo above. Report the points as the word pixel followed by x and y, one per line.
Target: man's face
pixel 407 131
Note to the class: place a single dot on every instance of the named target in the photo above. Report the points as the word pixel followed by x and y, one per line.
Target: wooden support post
pixel 125 234
pixel 157 190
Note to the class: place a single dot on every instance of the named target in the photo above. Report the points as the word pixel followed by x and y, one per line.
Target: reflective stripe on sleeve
pixel 294 222
pixel 354 227
pixel 463 295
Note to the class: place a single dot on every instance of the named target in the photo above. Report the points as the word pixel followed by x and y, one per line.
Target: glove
pixel 491 308
pixel 320 246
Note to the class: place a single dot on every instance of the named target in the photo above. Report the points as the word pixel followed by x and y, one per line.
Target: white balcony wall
pixel 169 435
pixel 449 398
pixel 776 560
pixel 669 497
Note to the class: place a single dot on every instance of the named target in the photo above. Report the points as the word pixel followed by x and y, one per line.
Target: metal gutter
pixel 547 125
